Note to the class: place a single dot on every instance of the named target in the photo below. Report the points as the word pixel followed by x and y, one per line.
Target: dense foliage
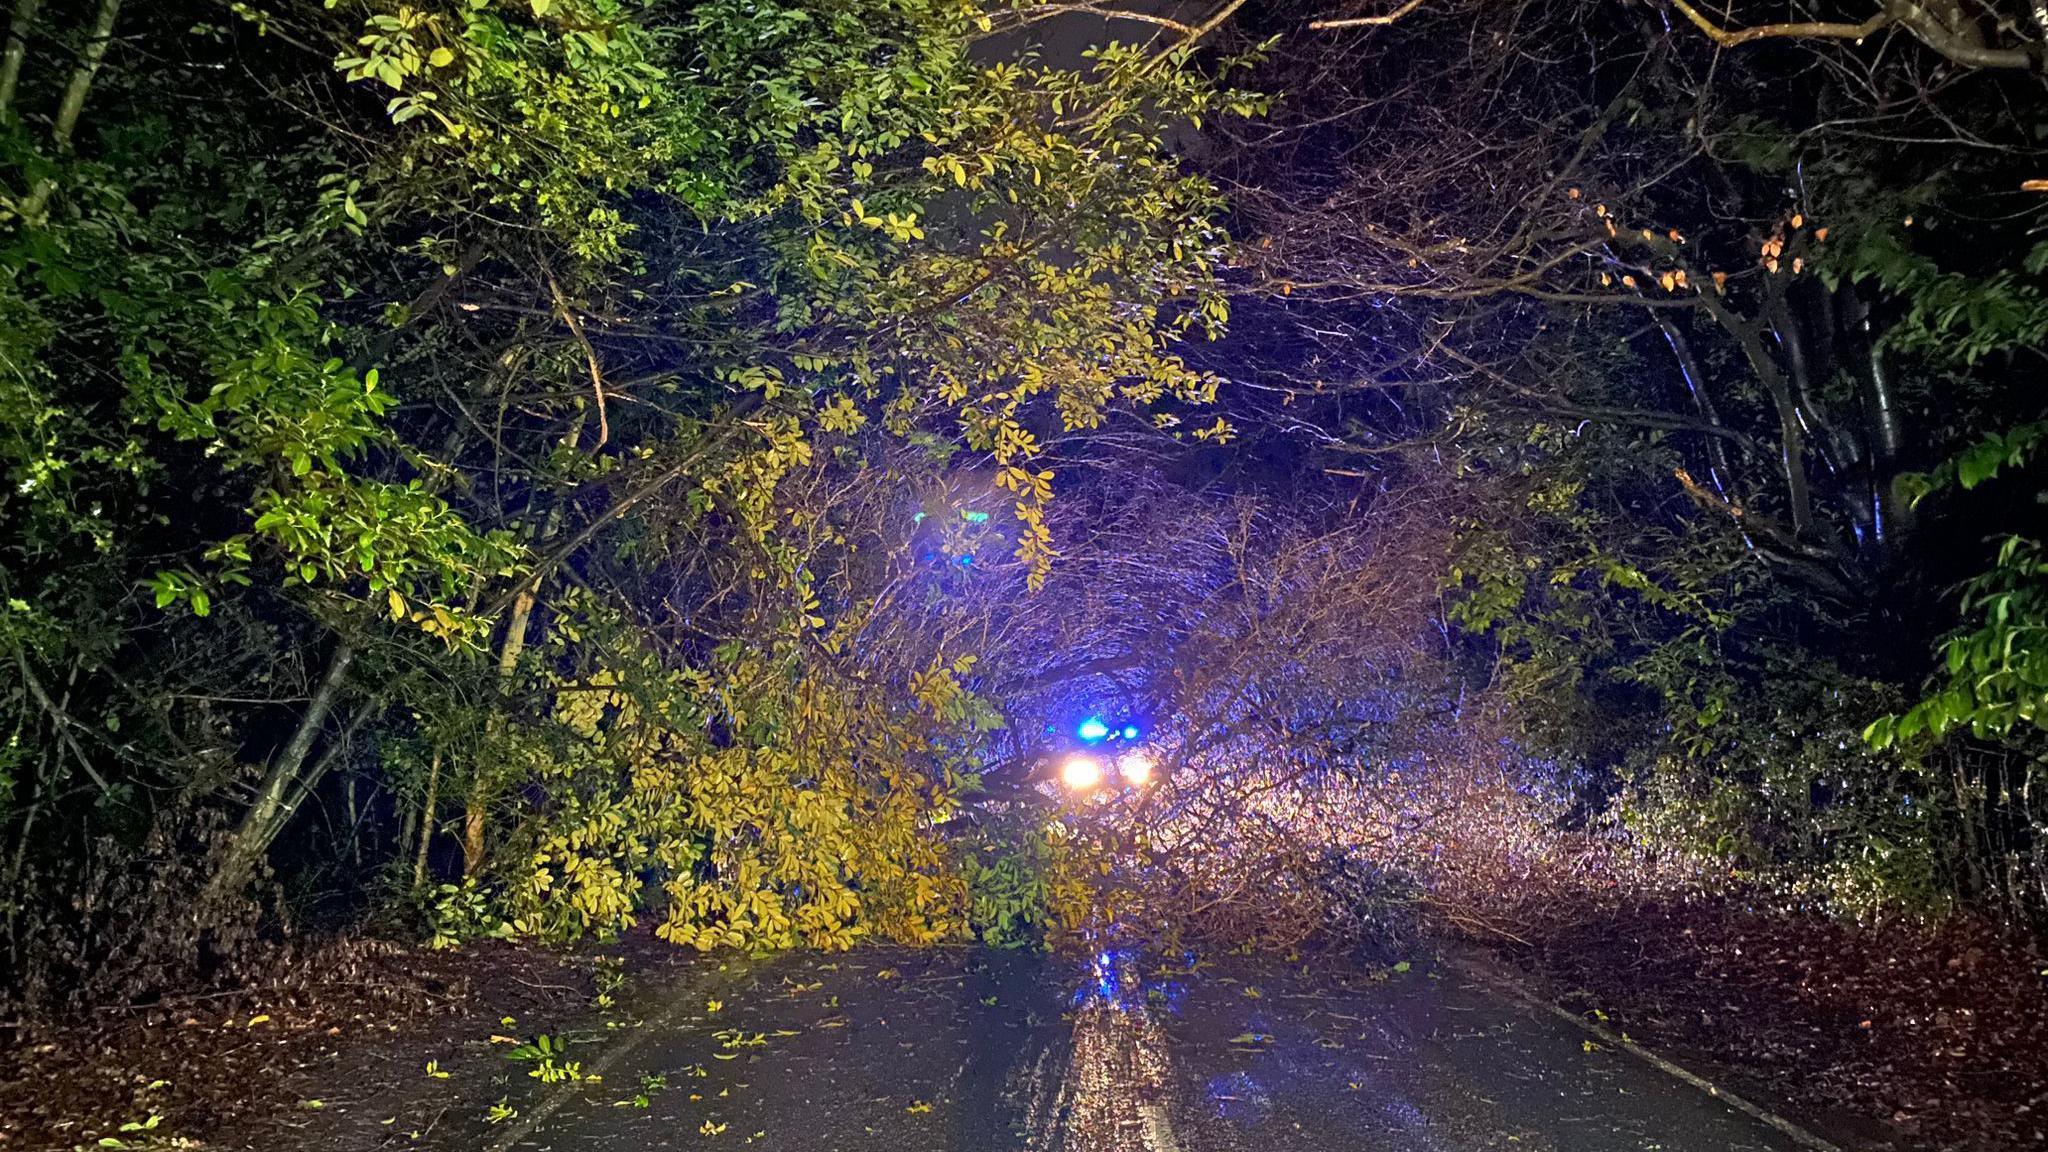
pixel 539 467
pixel 504 426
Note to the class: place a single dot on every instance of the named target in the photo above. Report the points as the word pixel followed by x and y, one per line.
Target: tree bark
pixel 74 101
pixel 1893 516
pixel 16 53
pixel 1791 435
pixel 433 797
pixel 279 795
pixel 1702 400
pixel 476 810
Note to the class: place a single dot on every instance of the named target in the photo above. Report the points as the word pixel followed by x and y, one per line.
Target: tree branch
pixel 59 719
pixel 1925 27
pixel 604 428
pixel 1366 21
pixel 1797 30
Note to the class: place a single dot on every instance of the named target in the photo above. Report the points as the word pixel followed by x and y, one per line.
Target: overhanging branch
pixel 1366 21
pixel 1797 30
pixel 1963 47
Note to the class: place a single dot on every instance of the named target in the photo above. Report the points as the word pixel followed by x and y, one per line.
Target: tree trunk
pixel 355 819
pixel 18 28
pixel 1702 400
pixel 74 100
pixel 1791 434
pixel 1892 514
pixel 12 893
pixel 433 797
pixel 475 810
pixel 281 793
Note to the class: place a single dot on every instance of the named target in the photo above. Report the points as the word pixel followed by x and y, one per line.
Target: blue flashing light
pixel 1092 729
pixel 1130 731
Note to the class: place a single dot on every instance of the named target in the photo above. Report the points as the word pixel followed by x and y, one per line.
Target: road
pixel 970 1051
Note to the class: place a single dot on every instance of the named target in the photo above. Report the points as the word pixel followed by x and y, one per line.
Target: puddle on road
pixel 1259 1055
pixel 1112 1091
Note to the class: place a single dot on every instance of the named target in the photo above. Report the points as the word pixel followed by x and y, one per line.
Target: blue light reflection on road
pixel 1238 1097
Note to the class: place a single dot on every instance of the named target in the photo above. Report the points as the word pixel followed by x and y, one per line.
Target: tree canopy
pixel 539 466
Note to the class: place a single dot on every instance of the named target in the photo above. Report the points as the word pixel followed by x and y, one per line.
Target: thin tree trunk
pixel 12 894
pixel 278 797
pixel 475 810
pixel 1836 453
pixel 74 100
pixel 433 797
pixel 1702 400
pixel 18 28
pixel 355 820
pixel 82 76
pixel 1968 813
pixel 1798 495
pixel 1791 434
pixel 1892 514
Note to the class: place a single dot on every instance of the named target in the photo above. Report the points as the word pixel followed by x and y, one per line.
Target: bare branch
pixel 1184 34
pixel 1798 30
pixel 604 428
pixel 1925 26
pixel 1041 12
pixel 1366 21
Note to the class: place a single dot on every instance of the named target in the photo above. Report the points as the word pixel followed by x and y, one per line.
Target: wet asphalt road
pixel 970 1051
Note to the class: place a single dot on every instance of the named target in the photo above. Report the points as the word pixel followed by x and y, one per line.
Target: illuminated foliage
pixel 531 390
